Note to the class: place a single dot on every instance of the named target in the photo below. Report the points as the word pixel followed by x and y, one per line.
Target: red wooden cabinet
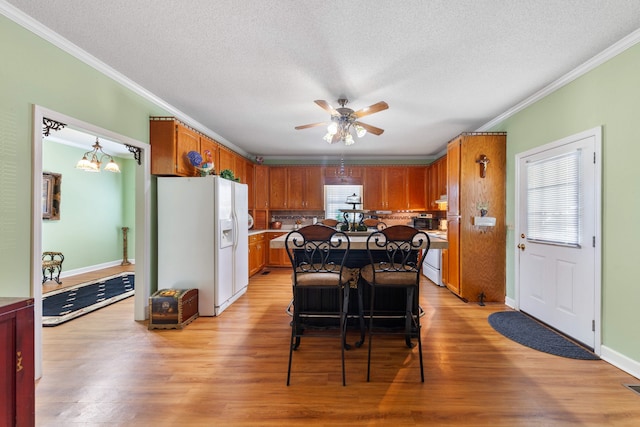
pixel 17 379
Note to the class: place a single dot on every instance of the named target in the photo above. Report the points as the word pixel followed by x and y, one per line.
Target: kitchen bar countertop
pixel 359 241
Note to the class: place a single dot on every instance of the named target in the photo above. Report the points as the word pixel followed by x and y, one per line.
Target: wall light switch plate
pixel 485 221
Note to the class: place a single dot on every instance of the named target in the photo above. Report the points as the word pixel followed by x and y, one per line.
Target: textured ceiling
pixel 249 70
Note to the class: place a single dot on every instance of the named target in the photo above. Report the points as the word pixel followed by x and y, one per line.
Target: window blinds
pixel 335 198
pixel 553 200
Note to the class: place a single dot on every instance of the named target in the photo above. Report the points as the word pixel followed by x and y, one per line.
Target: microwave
pixel 426 223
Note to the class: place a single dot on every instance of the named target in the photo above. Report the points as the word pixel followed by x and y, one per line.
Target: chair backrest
pixel 398 249
pixel 317 249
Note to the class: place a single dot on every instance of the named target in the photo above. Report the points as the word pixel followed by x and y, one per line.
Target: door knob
pixel 521 246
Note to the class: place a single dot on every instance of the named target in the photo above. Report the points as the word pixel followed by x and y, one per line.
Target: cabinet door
pixel 262 186
pixel 442 176
pixel 453 178
pixel 395 188
pixel 186 140
pixel 277 257
pixel 417 188
pixel 296 188
pixel 373 188
pixel 432 186
pixel 227 160
pixel 278 188
pixel 314 189
pixel 453 255
pixel 249 174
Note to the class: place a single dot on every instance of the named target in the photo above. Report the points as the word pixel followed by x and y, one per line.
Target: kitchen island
pixel 390 303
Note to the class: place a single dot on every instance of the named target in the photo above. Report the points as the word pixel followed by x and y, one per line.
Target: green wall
pixel 608 96
pixel 94 208
pixel 35 72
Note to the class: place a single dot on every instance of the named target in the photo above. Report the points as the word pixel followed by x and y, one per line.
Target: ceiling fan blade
pixel 312 125
pixel 325 105
pixel 371 109
pixel 371 129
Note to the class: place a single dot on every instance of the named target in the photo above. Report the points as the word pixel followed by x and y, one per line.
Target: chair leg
pixel 361 316
pixel 294 342
pixel 370 332
pixel 343 329
pixel 408 320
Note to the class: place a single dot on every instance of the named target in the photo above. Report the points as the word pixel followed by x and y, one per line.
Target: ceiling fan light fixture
pixel 328 137
pixel 348 139
pixel 360 131
pixel 332 129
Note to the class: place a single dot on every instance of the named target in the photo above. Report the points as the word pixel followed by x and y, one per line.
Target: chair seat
pixel 387 278
pixel 311 279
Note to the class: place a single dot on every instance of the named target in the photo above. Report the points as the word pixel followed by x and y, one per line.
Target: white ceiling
pixel 249 70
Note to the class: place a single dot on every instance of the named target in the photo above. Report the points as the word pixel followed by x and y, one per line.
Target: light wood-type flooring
pixel 107 369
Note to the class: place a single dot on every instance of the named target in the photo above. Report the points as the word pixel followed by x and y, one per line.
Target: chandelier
pixel 93 159
pixel 343 127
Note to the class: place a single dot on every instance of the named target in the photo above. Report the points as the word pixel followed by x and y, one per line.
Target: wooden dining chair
pixel 318 254
pixel 395 262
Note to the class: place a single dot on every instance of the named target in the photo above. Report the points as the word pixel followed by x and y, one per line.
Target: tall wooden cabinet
pixel 475 259
pixel 170 143
pixel 17 372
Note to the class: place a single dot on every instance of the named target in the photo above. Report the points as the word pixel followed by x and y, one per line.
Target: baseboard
pixel 510 302
pixel 91 268
pixel 630 366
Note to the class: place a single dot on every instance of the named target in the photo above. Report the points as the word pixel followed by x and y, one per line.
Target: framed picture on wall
pixel 51 183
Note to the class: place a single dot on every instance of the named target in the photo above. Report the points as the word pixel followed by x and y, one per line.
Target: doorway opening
pixel 142 217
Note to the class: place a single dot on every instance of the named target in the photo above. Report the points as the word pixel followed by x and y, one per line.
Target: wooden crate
pixel 172 308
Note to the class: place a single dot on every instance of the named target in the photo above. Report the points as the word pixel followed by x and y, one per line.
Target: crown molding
pixel 39 29
pixel 599 59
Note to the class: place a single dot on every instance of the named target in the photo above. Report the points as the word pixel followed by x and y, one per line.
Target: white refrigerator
pixel 203 239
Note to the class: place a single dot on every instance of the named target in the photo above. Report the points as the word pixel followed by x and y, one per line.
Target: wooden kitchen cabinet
pixel 262 186
pixel 296 188
pixel 249 179
pixel 417 188
pixel 278 188
pixel 170 143
pixel 17 369
pixel 277 257
pixel 257 253
pixel 476 255
pixel 226 160
pixel 385 188
pixel 436 183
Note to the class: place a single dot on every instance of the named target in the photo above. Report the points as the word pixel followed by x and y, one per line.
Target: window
pixel 335 198
pixel 553 200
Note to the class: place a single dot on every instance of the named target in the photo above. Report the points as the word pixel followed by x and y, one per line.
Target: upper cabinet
pixel 297 188
pixel 261 178
pixel 385 188
pixel 416 188
pixel 436 183
pixel 170 142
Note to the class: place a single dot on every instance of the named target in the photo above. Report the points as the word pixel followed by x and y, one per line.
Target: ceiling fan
pixel 344 121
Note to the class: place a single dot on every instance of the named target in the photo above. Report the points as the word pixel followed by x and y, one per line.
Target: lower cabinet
pixel 17 376
pixel 257 253
pixel 277 257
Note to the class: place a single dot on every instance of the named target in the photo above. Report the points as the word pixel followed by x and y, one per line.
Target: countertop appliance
pixel 203 239
pixel 425 222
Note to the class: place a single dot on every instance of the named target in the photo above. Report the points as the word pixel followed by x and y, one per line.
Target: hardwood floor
pixel 106 369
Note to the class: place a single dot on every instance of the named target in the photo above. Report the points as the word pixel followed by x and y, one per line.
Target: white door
pixel 558 234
